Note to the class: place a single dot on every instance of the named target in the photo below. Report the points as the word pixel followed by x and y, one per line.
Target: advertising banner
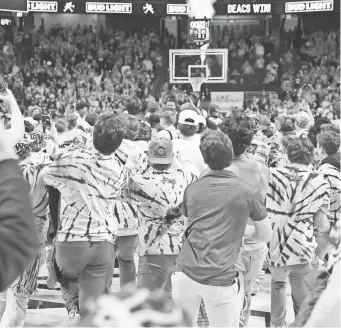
pixel 227 100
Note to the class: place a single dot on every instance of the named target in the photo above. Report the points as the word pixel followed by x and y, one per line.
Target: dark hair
pixel 133 126
pixel 286 139
pixel 29 127
pixel 54 115
pixel 72 121
pixel 240 131
pixel 153 107
pixel 169 117
pixel 145 132
pixel 187 130
pixel 216 149
pixel 213 108
pixel 300 151
pixel 109 132
pixel 329 141
pixel 91 118
pixel 316 129
pixel 154 119
pixel 171 98
pixel 81 105
pixel 133 106
pixel 161 167
pixel 330 127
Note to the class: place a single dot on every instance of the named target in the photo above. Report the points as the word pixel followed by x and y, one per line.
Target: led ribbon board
pixel 247 8
pixel 180 9
pixel 43 6
pixel 309 6
pixel 109 8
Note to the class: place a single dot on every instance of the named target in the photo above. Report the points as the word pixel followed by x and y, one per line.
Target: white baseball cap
pixel 202 120
pixel 188 117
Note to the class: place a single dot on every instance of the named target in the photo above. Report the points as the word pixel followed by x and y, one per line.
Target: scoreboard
pixel 199 30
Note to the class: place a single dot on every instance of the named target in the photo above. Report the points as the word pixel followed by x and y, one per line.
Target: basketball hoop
pixel 196 83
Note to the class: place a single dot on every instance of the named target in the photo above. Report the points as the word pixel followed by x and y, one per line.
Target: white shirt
pixel 187 149
pixel 259 49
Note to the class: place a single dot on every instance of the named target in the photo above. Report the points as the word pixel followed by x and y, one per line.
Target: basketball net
pixel 196 82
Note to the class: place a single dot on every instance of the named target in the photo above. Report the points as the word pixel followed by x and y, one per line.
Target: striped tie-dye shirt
pixel 34 169
pixel 294 197
pixel 332 175
pixel 88 182
pixel 158 196
pixel 259 149
pixel 133 157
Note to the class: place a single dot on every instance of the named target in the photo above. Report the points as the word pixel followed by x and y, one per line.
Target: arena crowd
pixel 102 158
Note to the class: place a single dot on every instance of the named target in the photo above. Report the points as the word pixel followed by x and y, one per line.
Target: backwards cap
pixel 188 117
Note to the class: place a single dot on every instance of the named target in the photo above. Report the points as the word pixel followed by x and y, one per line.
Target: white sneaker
pixel 74 318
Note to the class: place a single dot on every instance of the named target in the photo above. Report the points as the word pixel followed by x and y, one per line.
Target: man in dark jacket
pixel 18 238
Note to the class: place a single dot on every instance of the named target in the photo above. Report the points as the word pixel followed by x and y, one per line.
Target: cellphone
pixel 46 120
pixel 3 87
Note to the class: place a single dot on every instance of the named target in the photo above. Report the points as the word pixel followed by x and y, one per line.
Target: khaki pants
pixel 222 303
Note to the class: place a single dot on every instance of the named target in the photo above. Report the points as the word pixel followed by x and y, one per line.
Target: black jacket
pixel 19 242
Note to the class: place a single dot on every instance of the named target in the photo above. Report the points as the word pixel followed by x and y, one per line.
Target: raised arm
pixel 17 130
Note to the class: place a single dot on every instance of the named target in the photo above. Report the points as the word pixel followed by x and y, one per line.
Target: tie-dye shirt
pixel 332 175
pixel 34 169
pixel 133 157
pixel 294 197
pixel 88 182
pixel 259 149
pixel 158 196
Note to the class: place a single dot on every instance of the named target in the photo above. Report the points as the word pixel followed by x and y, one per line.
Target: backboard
pixel 186 65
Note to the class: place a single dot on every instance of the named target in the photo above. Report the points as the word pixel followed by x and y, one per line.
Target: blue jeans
pixel 85 268
pixel 249 265
pixel 125 248
pixel 155 271
pixel 299 290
